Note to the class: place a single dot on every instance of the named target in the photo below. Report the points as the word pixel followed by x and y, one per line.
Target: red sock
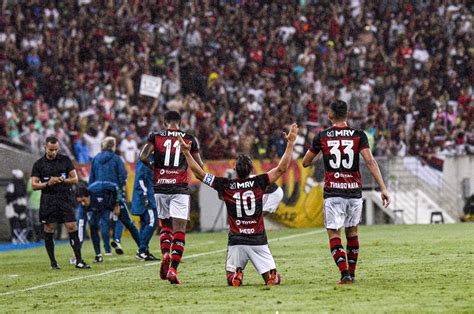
pixel 177 248
pixel 166 237
pixel 230 276
pixel 352 253
pixel 338 254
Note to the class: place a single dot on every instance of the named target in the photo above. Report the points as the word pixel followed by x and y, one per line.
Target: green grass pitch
pixel 401 268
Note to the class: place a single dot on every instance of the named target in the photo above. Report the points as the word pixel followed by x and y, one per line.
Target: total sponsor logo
pixel 166 181
pixel 338 175
pixel 165 171
pixel 245 222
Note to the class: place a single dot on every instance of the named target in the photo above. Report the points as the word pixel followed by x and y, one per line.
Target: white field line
pixel 54 283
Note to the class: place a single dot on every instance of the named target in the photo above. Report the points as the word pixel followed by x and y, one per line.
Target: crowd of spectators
pixel 239 72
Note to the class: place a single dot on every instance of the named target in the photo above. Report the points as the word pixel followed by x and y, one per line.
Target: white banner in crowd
pixel 150 86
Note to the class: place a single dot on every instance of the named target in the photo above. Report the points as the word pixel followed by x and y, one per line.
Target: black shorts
pixel 57 208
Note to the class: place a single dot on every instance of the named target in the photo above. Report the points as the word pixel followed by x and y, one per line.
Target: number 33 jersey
pixel 341 147
pixel 170 166
pixel 244 201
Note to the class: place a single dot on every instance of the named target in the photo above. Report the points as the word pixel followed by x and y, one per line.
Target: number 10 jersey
pixel 341 147
pixel 244 202
pixel 170 166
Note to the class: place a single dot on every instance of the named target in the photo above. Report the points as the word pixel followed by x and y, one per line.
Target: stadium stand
pixel 239 71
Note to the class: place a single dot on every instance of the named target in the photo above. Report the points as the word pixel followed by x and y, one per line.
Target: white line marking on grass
pixel 203 243
pixel 148 264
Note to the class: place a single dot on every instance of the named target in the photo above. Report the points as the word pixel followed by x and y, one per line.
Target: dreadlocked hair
pixel 243 166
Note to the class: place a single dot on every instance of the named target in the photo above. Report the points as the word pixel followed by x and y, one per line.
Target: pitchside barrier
pixel 303 187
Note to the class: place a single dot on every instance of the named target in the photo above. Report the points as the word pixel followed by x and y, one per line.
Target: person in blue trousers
pixel 96 204
pixel 143 205
pixel 109 167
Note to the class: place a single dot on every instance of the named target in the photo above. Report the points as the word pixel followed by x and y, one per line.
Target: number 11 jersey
pixel 170 166
pixel 341 147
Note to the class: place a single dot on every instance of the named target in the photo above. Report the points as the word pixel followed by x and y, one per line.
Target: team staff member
pixel 96 203
pixel 144 205
pixel 54 174
pixel 108 167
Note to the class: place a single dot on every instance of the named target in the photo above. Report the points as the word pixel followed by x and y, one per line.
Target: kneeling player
pixel 244 199
pixel 272 198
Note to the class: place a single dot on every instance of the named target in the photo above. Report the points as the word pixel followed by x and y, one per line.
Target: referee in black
pixel 54 174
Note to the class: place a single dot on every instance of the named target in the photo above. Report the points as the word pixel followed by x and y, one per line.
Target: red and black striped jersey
pixel 244 201
pixel 170 166
pixel 341 147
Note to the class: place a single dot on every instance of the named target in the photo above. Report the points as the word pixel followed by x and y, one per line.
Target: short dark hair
pixel 83 191
pixel 339 109
pixel 243 166
pixel 52 140
pixel 172 116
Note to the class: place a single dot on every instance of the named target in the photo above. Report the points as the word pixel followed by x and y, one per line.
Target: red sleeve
pixel 316 145
pixel 364 141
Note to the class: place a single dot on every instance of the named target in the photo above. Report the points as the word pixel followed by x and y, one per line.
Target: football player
pixel 340 146
pixel 243 197
pixel 171 189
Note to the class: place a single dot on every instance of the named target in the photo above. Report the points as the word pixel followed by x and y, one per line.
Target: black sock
pixel 75 244
pixel 49 244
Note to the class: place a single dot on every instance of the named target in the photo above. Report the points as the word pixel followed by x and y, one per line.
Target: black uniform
pixel 57 203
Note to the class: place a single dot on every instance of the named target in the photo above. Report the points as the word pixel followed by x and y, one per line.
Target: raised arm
pixel 375 171
pixel 195 167
pixel 285 160
pixel 145 152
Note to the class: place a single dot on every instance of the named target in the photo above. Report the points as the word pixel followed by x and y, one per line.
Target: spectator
pixel 129 147
pixel 239 69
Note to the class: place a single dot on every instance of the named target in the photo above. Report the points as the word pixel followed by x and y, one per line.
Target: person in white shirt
pixel 93 139
pixel 129 147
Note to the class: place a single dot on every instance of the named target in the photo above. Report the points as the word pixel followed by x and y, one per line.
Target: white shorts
pixel 342 212
pixel 173 205
pixel 272 200
pixel 259 255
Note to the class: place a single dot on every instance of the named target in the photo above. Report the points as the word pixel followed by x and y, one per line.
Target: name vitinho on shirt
pixel 166 181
